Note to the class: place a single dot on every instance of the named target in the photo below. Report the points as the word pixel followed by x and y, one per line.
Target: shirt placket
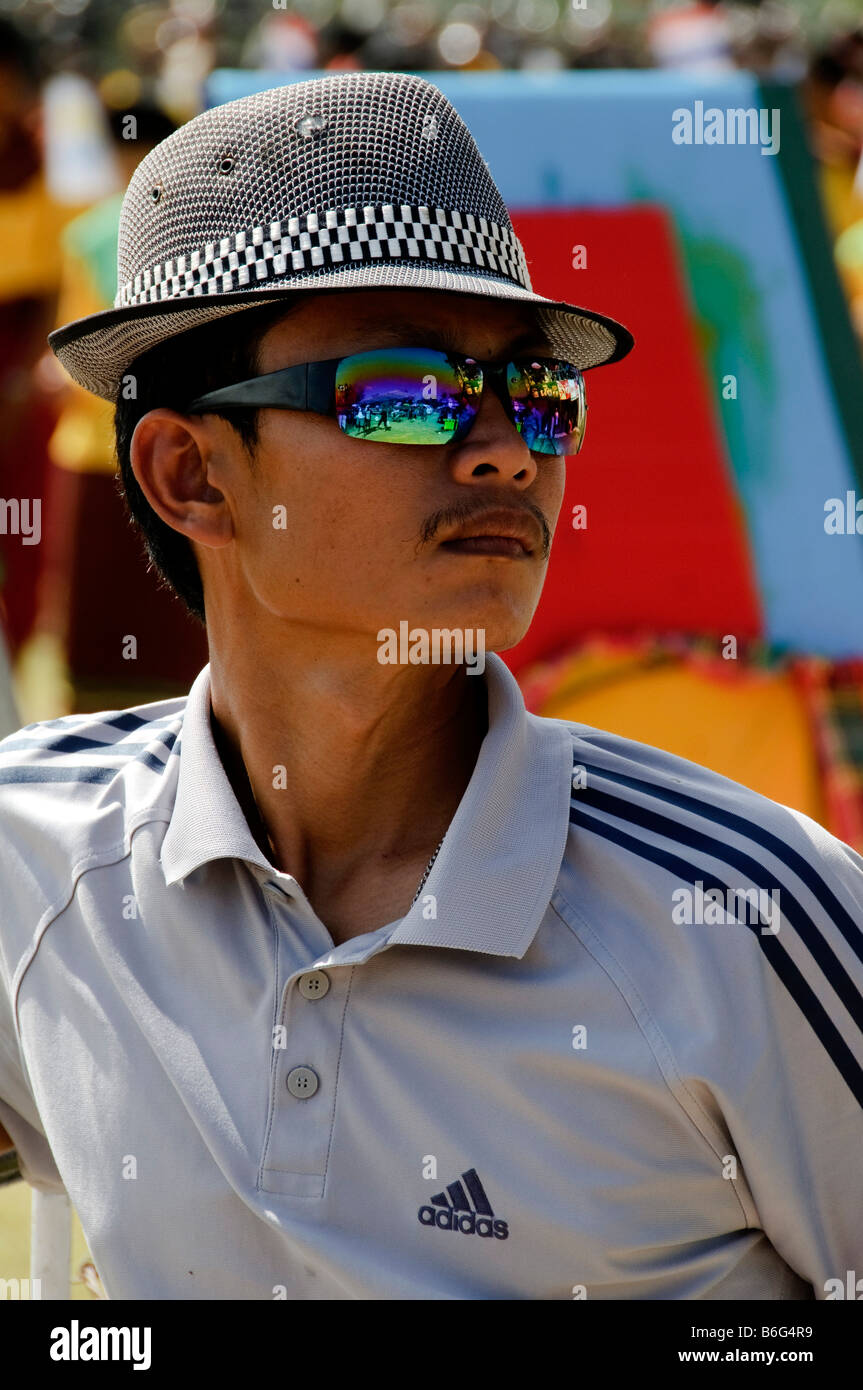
pixel 307 1047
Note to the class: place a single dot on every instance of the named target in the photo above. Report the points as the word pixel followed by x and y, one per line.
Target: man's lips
pixel 487 545
pixel 497 531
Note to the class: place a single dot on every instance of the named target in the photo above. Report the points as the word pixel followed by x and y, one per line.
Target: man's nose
pixel 494 445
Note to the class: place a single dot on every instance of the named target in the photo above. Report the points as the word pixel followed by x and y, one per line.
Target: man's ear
pixel 172 456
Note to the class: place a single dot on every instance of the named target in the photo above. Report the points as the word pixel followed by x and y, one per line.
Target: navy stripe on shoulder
pixel 49 772
pixel 124 720
pixel 755 871
pixel 169 742
pixel 70 743
pixel 73 743
pixel 57 774
pixel 792 858
pixel 795 982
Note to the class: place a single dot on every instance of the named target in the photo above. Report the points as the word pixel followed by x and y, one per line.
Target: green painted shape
pixel 92 237
pixel 733 337
pixel 731 329
pixel 826 296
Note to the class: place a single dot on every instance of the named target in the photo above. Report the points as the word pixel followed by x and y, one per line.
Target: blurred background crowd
pixel 176 43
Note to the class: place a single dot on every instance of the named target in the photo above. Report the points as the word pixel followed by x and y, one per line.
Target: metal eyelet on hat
pixel 310 124
pixel 226 164
pixel 156 192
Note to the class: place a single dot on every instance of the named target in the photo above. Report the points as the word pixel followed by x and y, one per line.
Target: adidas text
pixel 466 1221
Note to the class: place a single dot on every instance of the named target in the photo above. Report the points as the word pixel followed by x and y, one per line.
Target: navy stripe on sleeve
pixel 808 932
pixel 794 981
pixel 72 743
pixel 795 861
pixel 39 773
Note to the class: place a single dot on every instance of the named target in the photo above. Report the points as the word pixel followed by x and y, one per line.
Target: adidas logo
pixel 452 1211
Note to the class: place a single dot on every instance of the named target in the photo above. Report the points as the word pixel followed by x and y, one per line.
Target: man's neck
pixel 349 784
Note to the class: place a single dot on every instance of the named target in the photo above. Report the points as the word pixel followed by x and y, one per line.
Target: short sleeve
pixel 797 1102
pixel 733 925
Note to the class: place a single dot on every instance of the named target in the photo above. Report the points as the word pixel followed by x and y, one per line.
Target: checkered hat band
pixel 337 238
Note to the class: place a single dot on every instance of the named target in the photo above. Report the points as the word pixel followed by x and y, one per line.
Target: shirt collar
pixel 494 875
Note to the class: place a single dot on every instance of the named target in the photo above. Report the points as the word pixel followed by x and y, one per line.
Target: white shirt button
pixel 302 1082
pixel 314 985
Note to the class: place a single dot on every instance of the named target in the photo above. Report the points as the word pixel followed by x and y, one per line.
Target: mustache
pixel 455 515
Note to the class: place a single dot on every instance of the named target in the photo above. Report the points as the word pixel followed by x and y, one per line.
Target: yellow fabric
pixel 750 726
pixel 83 439
pixel 841 204
pixel 30 226
pixel 849 258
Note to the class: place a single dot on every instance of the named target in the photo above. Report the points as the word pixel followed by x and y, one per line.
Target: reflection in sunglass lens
pixel 406 396
pixel 548 404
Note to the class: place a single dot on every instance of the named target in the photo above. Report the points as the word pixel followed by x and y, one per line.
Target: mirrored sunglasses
pixel 418 395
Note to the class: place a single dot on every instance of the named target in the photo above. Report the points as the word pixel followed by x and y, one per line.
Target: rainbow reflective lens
pixel 418 395
pixel 405 395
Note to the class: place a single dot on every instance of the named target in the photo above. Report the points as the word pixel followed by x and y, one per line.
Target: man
pixel 345 977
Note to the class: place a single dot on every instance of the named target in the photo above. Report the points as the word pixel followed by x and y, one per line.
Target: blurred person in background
pixel 31 222
pixel 63 650
pixel 83 438
pixel 283 42
pixel 834 99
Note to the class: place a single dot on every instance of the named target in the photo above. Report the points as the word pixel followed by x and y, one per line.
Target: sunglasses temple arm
pixel 320 386
pixel 287 388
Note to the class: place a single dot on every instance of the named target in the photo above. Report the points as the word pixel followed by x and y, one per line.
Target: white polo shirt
pixel 560 1075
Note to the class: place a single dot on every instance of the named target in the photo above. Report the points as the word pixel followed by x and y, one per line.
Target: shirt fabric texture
pixel 540 1083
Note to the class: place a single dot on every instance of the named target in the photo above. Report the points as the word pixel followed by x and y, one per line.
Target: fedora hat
pixel 359 180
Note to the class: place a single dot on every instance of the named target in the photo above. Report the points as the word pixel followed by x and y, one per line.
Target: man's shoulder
pixel 678 815
pixel 90 749
pixel 71 788
pixel 732 926
pixel 707 901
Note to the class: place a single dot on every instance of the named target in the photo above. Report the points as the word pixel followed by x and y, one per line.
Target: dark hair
pixel 168 376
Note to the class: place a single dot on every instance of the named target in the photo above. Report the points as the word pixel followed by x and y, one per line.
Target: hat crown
pixel 347 140
pixel 351 181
